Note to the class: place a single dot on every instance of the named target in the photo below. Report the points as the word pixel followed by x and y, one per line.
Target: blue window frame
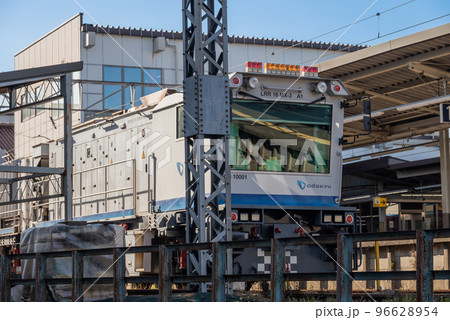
pixel 120 95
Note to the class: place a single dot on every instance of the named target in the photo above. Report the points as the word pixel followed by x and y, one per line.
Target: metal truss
pixel 34 187
pixel 32 95
pixel 206 221
pixel 199 47
pixel 206 122
pixel 32 88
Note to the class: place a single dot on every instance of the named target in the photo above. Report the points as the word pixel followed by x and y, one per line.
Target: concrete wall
pixel 394 256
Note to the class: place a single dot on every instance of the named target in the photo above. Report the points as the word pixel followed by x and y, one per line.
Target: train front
pixel 286 160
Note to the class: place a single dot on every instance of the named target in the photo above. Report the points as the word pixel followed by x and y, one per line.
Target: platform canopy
pixel 404 79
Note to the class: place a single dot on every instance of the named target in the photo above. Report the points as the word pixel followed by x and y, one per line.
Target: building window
pixel 180 123
pixel 118 97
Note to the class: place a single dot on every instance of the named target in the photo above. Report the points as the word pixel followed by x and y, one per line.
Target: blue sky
pixel 23 21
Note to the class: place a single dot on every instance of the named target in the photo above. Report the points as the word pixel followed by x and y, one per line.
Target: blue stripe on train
pixel 259 200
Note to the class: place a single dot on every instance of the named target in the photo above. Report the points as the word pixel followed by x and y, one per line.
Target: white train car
pixel 285 157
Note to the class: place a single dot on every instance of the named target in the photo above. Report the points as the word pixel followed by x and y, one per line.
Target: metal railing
pixel 424 273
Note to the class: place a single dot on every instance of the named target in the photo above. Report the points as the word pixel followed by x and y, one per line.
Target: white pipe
pixel 174 45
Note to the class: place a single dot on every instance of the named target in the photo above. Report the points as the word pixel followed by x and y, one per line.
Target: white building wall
pixel 59 46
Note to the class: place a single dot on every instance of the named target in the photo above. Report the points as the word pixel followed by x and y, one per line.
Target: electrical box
pixel 89 39
pixel 159 44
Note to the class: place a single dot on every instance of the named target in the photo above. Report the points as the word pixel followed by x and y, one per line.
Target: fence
pixel 424 274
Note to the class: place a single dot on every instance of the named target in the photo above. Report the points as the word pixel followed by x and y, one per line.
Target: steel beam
pixel 165 273
pixel 344 267
pixel 40 287
pixel 26 75
pixel 395 65
pixel 218 272
pixel 424 266
pixel 444 144
pixel 5 276
pixel 277 271
pixel 375 94
pixel 429 71
pixel 66 90
pixel 30 105
pixel 120 291
pixel 77 276
pixel 20 169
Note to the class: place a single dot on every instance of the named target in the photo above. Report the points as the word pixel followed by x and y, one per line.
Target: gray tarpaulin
pixel 63 236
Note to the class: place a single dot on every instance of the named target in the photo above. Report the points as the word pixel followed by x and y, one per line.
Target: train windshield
pixel 288 137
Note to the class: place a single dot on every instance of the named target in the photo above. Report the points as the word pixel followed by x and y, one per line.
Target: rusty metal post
pixel 165 273
pixel 5 287
pixel 344 267
pixel 424 266
pixel 218 272
pixel 40 283
pixel 119 275
pixel 77 276
pixel 66 91
pixel 277 271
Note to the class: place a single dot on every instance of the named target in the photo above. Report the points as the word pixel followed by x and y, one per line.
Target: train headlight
pixel 339 218
pixel 256 217
pixel 253 82
pixel 243 217
pixel 327 218
pixel 234 216
pixel 321 87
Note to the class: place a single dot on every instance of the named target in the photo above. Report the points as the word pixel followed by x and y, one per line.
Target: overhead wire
pixel 298 78
pixel 373 39
pixel 327 33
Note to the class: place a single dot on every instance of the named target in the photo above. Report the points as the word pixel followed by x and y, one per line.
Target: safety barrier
pixel 424 274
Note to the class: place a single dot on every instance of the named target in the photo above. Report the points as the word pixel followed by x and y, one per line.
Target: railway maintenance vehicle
pixel 286 169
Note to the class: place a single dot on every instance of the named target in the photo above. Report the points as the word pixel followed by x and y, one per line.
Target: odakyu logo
pixel 301 184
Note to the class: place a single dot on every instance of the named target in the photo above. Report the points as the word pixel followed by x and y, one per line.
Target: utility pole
pixel 207 119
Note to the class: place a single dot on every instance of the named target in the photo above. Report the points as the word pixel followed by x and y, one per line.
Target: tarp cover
pixel 63 236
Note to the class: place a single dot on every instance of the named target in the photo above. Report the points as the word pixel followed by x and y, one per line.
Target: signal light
pixel 310 71
pixel 349 218
pixel 337 88
pixel 236 80
pixel 280 68
pixel 251 66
